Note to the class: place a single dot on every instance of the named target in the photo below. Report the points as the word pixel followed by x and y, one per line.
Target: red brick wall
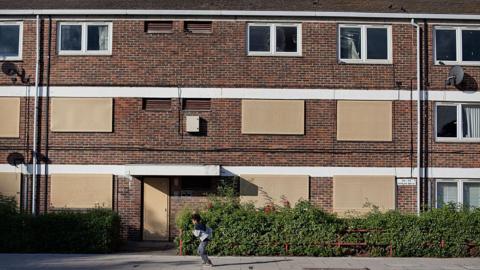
pixel 321 192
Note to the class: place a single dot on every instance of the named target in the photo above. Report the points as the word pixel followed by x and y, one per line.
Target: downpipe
pixel 419 179
pixel 35 121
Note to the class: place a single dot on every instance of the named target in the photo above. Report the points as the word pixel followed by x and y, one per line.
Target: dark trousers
pixel 202 251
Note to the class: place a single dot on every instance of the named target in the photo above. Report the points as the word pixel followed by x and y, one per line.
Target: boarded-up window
pixel 196 104
pixel 10 185
pixel 157 104
pixel 260 189
pixel 273 116
pixel 81 114
pixel 81 191
pixel 364 121
pixel 9 117
pixel 359 194
pixel 198 27
pixel 159 27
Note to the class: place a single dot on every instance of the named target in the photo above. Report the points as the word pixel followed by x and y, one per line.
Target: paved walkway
pixel 155 261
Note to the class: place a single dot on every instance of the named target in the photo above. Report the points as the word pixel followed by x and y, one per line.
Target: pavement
pixel 156 261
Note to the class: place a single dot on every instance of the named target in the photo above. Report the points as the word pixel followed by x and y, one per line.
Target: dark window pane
pixel 377 43
pixel 286 39
pixel 447 121
pixel 259 39
pixel 97 38
pixel 71 39
pixel 350 43
pixel 446 44
pixel 471 45
pixel 9 40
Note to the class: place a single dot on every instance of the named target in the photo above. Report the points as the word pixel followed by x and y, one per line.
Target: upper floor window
pixel 365 44
pixel 11 40
pixel 81 38
pixel 458 122
pixel 457 45
pixel 274 39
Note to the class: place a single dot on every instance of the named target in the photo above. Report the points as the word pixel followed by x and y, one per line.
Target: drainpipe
pixel 418 115
pixel 35 121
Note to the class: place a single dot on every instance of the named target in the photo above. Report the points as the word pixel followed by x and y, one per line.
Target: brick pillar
pixel 128 204
pixel 321 192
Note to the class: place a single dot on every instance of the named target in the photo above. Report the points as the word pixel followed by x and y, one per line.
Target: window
pixel 85 38
pixel 197 183
pixel 160 27
pixel 11 36
pixel 465 192
pixel 457 45
pixel 456 121
pixel 198 27
pixel 365 44
pixel 274 39
pixel 196 104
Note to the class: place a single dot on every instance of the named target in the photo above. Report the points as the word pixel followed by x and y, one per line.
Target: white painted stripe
pixel 238 93
pixel 238 13
pixel 217 170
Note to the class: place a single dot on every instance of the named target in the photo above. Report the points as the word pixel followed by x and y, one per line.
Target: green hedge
pixel 240 229
pixel 94 231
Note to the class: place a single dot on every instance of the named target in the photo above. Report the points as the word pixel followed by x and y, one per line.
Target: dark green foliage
pixel 81 232
pixel 240 229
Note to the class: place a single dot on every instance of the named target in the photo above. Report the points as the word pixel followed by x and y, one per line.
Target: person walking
pixel 203 233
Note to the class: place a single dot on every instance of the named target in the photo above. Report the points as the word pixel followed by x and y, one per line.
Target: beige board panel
pixel 258 188
pixel 273 117
pixel 81 114
pixel 364 120
pixel 9 117
pixel 81 190
pixel 10 185
pixel 357 194
pixel 155 209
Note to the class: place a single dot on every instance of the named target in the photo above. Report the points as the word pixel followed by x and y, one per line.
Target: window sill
pixel 455 140
pixel 455 63
pixel 16 59
pixel 353 62
pixel 84 54
pixel 275 54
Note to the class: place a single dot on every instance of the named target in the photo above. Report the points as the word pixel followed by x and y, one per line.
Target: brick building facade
pixel 145 108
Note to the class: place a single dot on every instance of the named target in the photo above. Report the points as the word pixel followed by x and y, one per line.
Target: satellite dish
pixel 9 68
pixel 15 159
pixel 455 76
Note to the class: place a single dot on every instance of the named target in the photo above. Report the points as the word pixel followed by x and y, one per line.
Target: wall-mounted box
pixel 193 124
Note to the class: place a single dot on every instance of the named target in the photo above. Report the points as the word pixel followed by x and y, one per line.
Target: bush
pixel 95 231
pixel 304 230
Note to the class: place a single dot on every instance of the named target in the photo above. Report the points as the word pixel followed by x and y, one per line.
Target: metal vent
pixel 159 27
pixel 196 104
pixel 157 104
pixel 198 27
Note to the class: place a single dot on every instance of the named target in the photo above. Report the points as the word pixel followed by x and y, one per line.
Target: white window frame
pixel 273 40
pixel 459 43
pixel 459 183
pixel 459 137
pixel 363 43
pixel 84 38
pixel 20 42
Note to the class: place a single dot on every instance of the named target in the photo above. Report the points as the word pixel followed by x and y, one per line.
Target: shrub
pixel 86 232
pixel 304 230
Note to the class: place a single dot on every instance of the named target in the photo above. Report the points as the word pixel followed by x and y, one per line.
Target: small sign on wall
pixel 407 182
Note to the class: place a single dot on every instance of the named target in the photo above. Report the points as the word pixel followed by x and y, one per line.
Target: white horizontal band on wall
pixel 237 93
pixel 319 14
pixel 214 170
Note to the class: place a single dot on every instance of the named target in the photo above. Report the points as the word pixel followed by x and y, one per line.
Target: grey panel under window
pixel 446 45
pixel 471 194
pixel 259 39
pixel 286 39
pixel 377 43
pixel 71 37
pixel 471 45
pixel 350 43
pixel 97 38
pixel 9 40
pixel 447 121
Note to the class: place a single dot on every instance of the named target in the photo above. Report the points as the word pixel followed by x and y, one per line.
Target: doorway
pixel 156 208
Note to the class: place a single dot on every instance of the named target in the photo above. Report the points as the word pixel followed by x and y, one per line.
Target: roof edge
pixel 246 13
